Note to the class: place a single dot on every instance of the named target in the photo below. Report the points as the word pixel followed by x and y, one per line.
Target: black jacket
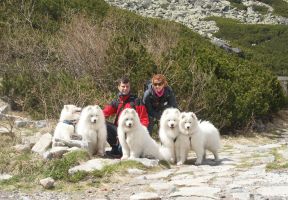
pixel 156 105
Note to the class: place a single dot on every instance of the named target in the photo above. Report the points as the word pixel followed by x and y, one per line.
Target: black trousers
pixel 112 137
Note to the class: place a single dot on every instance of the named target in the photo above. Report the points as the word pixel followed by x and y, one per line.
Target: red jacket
pixel 116 107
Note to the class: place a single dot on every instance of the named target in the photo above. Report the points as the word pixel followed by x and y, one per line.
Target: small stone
pixel 47 183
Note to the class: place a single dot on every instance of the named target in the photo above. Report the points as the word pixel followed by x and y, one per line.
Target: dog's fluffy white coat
pixel 135 139
pixel 65 128
pixel 197 135
pixel 169 130
pixel 92 128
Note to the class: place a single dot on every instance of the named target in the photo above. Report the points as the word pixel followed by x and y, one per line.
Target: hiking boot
pixel 115 152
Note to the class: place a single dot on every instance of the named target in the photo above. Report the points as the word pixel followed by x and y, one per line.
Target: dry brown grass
pixel 83 46
pixel 159 43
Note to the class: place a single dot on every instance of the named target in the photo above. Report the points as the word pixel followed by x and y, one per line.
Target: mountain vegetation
pixel 56 52
pixel 262 44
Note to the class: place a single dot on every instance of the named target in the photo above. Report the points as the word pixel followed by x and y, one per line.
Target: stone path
pixel 241 174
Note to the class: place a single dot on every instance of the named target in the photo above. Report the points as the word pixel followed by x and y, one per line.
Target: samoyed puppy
pixel 169 130
pixel 65 128
pixel 135 139
pixel 92 128
pixel 197 135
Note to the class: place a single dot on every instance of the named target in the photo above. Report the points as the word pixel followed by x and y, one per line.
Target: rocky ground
pixel 192 12
pixel 244 172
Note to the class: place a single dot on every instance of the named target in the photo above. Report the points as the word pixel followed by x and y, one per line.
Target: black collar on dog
pixel 70 122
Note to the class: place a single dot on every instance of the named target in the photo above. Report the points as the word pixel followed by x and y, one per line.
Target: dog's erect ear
pixel 89 107
pixel 126 111
pixel 193 115
pixel 182 115
pixel 166 112
pixel 97 107
pixel 134 112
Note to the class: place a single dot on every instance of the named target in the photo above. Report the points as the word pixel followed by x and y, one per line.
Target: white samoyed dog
pixel 197 135
pixel 65 128
pixel 135 139
pixel 169 130
pixel 92 128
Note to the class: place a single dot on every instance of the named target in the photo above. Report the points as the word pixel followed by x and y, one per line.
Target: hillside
pixel 256 28
pixel 56 52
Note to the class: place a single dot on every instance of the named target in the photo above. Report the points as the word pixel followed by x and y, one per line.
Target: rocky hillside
pixel 193 12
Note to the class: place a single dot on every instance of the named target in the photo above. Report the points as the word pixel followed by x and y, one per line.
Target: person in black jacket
pixel 157 98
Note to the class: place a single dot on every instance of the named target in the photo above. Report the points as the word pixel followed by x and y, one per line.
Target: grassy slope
pixel 264 45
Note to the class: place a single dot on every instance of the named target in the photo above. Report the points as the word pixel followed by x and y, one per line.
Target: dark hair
pixel 123 79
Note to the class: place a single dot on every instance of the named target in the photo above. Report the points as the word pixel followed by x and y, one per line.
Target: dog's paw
pixel 179 163
pixel 124 157
pixel 101 154
pixel 132 158
pixel 198 162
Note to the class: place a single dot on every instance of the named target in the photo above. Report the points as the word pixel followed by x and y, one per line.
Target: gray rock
pixel 4 109
pixel 241 196
pixel 22 148
pixel 208 192
pixel 55 152
pixel 43 144
pixel 5 177
pixel 136 171
pixel 91 165
pixel 145 196
pixel 41 124
pixel 21 123
pixel 271 191
pixel 47 183
pixel 147 162
pixel 160 175
pixel 163 186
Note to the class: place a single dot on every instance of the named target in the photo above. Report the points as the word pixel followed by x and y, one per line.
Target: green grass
pixel 28 168
pixel 261 9
pixel 265 45
pixel 58 168
pixel 238 4
pixel 279 163
pixel 109 170
pixel 280 7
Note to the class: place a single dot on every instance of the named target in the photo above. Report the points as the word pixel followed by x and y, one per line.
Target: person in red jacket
pixel 124 100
